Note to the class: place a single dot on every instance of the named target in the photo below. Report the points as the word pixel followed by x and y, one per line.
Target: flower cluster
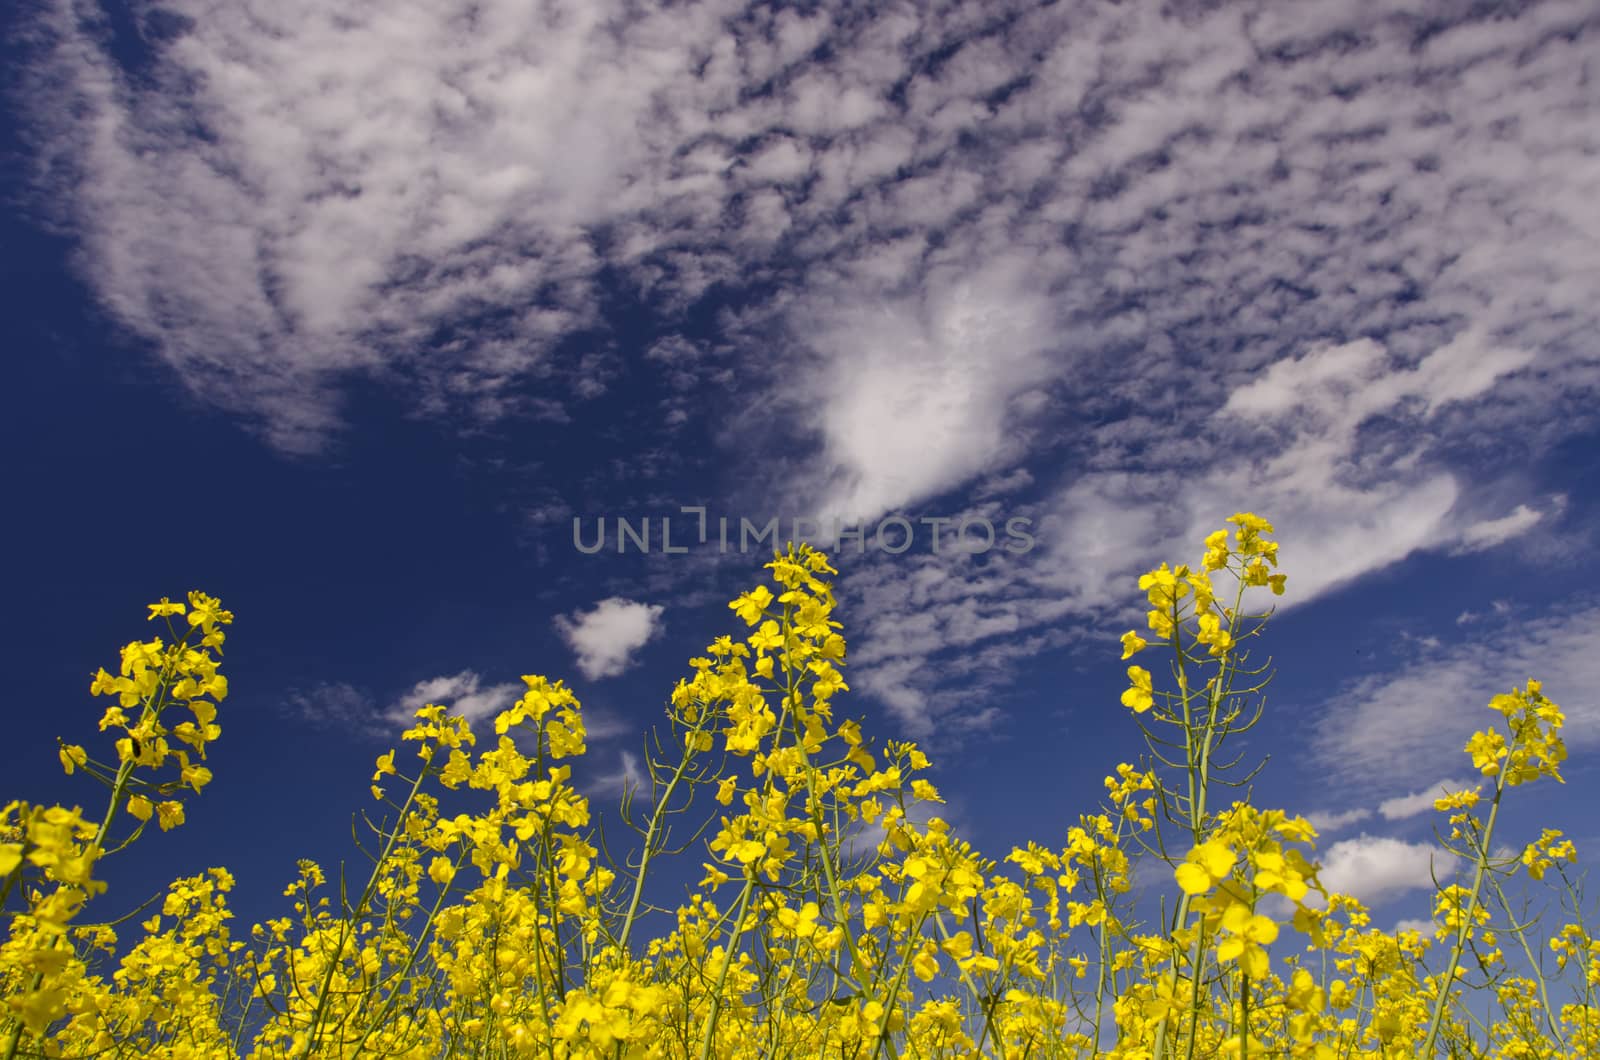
pixel 838 913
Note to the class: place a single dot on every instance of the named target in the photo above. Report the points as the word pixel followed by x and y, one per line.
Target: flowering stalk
pixel 528 963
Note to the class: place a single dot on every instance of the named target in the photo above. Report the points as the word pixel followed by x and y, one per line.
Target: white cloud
pixel 780 162
pixel 1491 532
pixel 1019 479
pixel 1345 384
pixel 288 201
pixel 335 704
pixel 913 393
pixel 629 773
pixel 607 635
pixel 1418 719
pixel 1375 869
pixel 1341 512
pixel 1345 512
pixel 601 724
pixel 1403 806
pixel 1327 821
pixel 1397 808
pixel 464 694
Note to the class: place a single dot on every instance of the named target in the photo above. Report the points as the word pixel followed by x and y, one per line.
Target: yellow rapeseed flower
pixel 1139 697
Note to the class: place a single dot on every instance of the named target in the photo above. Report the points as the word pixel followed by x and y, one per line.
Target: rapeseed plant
pixel 838 914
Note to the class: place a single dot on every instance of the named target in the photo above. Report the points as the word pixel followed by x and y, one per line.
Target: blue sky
pixel 345 318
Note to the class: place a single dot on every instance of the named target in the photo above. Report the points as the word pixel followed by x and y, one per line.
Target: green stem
pixel 1199 774
pixel 649 839
pixel 894 992
pixel 314 1032
pixel 1481 870
pixel 411 960
pixel 1533 966
pixel 734 936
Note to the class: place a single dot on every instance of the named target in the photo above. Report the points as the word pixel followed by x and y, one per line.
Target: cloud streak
pixel 1418 719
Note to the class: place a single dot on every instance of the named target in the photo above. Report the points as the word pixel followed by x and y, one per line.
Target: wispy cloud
pixel 465 694
pixel 1491 532
pixel 340 705
pixel 1326 821
pixel 628 773
pixel 333 704
pixel 1402 806
pixel 1398 808
pixel 1418 719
